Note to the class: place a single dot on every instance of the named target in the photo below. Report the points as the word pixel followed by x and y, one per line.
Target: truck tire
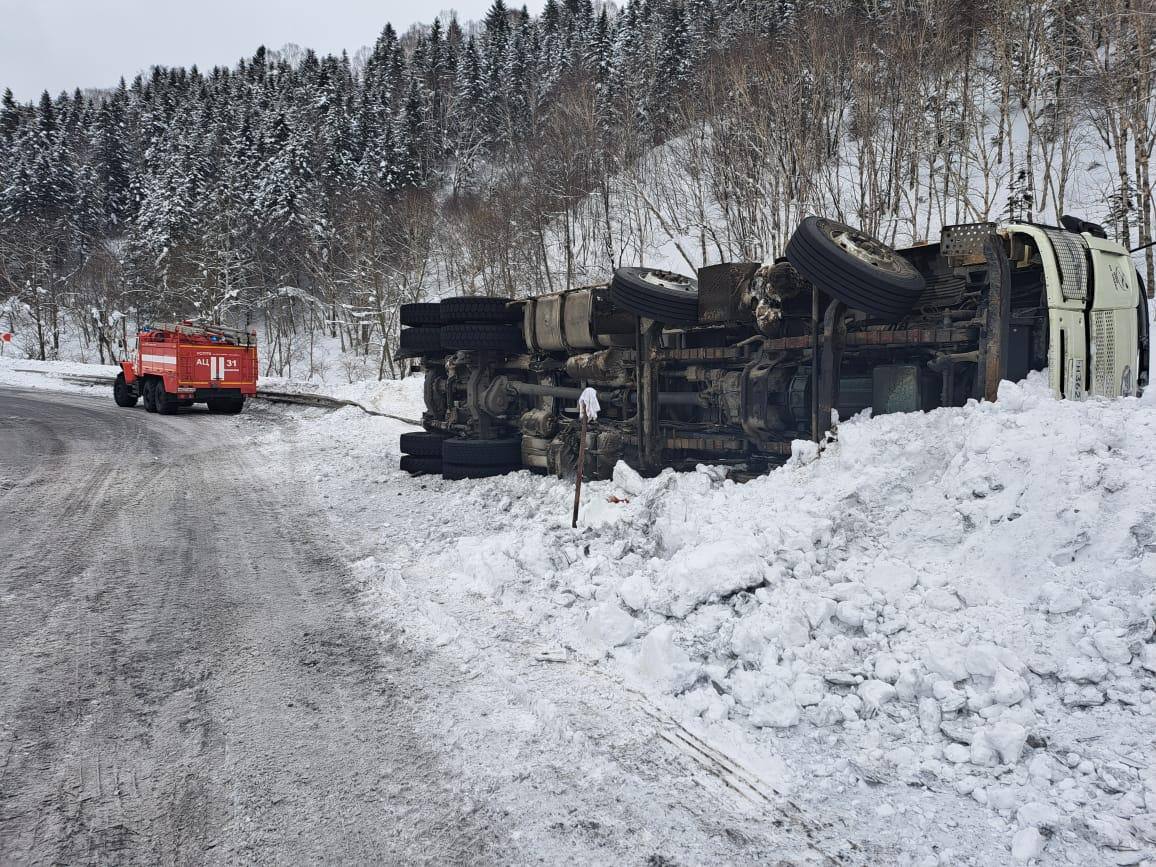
pixel 226 406
pixel 149 391
pixel 654 294
pixel 456 472
pixel 483 453
pixel 418 341
pixel 485 336
pixel 423 313
pixel 421 465
pixel 471 308
pixel 422 444
pixel 123 393
pixel 855 268
pixel 166 404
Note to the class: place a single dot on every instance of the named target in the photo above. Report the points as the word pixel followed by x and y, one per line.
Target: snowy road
pixel 182 677
pixel 190 673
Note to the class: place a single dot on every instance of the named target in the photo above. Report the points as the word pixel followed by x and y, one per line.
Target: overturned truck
pixel 730 367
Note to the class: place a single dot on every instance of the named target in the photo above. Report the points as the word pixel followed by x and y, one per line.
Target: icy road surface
pixel 189 673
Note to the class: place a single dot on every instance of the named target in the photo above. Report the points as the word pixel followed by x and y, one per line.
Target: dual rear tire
pixel 467 323
pixel 427 453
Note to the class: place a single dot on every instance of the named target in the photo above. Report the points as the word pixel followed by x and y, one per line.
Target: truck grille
pixel 1072 257
pixel 1104 353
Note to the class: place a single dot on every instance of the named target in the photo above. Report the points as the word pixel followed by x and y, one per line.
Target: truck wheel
pixel 422 444
pixel 455 472
pixel 660 295
pixel 418 341
pixel 470 308
pixel 423 313
pixel 855 268
pixel 165 403
pixel 417 465
pixel 150 404
pixel 491 336
pixel 123 393
pixel 226 406
pixel 483 453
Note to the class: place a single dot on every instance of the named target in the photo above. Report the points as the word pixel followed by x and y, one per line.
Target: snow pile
pixel 959 601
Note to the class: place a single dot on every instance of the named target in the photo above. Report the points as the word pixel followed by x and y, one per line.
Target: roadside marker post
pixel 588 408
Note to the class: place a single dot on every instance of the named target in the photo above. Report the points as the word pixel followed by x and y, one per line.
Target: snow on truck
pixel 732 367
pixel 181 364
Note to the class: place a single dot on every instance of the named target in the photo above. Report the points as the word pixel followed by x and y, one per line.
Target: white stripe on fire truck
pixel 159 359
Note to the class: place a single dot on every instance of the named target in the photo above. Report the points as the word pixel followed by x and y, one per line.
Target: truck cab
pixel 1097 317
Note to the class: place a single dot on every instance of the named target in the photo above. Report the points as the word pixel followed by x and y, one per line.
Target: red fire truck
pixel 182 364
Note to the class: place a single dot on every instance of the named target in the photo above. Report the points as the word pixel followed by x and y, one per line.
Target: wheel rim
pixel 667 280
pixel 866 249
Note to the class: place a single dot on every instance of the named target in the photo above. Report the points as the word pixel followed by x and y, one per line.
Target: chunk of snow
pixel 941 600
pixel 1148 657
pixel 875 693
pixel 661 661
pixel 1039 815
pixel 1008 739
pixel 1027 845
pixel 628 479
pixel 1112 647
pixel 607 625
pixel 1082 669
pixel 946 658
pixel 891 578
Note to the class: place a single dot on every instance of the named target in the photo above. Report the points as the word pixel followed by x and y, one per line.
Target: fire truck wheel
pixel 150 395
pixel 166 403
pixel 122 393
pixel 226 406
pixel 454 472
pixel 857 269
pixel 422 444
pixel 420 465
pixel 483 453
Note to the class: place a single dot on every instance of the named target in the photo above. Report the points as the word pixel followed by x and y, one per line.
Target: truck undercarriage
pixel 732 367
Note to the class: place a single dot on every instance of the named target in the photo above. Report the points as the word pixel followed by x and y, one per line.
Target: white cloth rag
pixel 588 401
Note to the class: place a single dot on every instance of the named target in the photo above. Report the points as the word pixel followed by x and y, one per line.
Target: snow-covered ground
pixel 944 624
pixel 932 644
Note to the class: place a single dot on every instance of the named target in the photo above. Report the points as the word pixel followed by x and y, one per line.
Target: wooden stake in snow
pixel 587 409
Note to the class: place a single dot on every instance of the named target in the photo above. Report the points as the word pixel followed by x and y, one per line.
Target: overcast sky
pixel 59 45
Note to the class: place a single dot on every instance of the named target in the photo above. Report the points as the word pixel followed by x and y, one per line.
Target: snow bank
pixel 52 375
pixel 960 601
pixel 403 397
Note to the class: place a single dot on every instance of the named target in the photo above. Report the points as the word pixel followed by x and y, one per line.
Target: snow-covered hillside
pixel 947 617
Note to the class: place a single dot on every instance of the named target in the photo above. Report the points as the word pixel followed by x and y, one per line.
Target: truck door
pixel 1113 326
pixel 1063 256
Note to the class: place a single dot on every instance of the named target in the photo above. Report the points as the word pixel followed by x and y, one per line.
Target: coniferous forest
pixel 310 196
